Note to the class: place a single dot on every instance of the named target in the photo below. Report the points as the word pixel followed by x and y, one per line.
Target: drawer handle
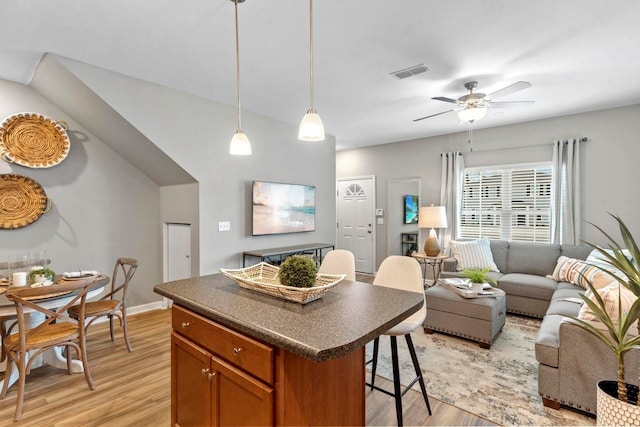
pixel 186 324
pixel 236 350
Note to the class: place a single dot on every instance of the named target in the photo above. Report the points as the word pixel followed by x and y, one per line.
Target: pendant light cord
pixel 311 54
pixel 238 66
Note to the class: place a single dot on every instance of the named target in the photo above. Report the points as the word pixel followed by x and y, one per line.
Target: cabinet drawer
pixel 244 352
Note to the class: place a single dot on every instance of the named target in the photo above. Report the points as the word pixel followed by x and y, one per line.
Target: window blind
pixel 512 203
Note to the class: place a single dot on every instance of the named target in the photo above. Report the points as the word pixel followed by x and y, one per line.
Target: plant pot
pixel 613 412
pixel 476 288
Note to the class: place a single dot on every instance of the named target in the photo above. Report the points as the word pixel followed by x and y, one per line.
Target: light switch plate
pixel 379 212
pixel 224 225
pixel 380 221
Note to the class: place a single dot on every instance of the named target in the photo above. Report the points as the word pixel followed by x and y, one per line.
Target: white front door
pixel 356 215
pixel 178 251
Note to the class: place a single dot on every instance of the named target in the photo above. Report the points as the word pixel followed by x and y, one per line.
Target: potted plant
pixel 41 274
pixel 298 271
pixel 625 271
pixel 478 277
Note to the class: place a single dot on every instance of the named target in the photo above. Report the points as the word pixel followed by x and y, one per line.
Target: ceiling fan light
pixel 240 145
pixel 311 127
pixel 470 115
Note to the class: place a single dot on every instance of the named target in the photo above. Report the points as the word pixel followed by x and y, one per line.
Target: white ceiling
pixel 579 55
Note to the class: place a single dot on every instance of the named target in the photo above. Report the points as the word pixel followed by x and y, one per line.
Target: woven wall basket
pixel 22 201
pixel 33 140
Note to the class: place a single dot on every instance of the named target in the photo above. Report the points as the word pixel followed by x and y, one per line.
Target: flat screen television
pixel 283 208
pixel 411 206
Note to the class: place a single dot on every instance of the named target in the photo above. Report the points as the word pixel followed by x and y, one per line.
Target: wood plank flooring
pixel 133 389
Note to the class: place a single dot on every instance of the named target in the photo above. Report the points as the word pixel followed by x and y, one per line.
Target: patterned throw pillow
pixel 609 295
pixel 578 272
pixel 473 254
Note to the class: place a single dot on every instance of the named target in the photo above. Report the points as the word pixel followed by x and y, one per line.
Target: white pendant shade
pixel 240 145
pixel 470 115
pixel 311 127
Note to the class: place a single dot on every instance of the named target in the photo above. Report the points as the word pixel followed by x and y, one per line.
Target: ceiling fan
pixel 472 106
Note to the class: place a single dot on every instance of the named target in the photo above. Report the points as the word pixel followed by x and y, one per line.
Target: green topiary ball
pixel 298 271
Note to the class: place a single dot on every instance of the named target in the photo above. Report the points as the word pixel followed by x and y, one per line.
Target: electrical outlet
pixel 224 225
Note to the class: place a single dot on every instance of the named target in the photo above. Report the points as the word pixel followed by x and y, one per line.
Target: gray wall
pixel 103 207
pixel 609 162
pixel 195 133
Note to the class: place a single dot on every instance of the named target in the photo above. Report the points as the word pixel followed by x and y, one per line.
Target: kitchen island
pixel 241 357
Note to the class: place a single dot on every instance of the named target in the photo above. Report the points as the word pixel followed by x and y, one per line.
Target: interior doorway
pixel 356 198
pixel 177 259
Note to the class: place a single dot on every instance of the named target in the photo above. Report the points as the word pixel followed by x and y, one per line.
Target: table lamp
pixel 432 217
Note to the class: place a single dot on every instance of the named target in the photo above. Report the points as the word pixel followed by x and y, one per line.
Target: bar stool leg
pixel 396 379
pixel 376 343
pixel 416 366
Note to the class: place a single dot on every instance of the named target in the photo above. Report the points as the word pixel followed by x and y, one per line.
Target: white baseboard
pixel 157 305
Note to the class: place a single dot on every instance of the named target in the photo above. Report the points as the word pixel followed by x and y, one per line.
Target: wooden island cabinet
pixel 242 358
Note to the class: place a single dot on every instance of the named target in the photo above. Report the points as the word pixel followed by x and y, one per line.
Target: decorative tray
pixel 22 201
pixel 33 140
pixel 264 278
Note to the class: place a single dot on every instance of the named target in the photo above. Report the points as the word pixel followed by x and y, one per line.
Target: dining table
pixel 53 357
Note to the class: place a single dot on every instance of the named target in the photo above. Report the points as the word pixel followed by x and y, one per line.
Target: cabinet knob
pixel 211 375
pixel 186 324
pixel 236 350
pixel 205 371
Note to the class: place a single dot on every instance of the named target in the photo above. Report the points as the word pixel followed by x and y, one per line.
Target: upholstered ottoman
pixel 478 319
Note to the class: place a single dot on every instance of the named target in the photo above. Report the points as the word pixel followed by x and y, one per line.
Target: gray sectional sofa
pixel 571 361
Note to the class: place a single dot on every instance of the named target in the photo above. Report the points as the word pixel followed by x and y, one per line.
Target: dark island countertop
pixel 348 316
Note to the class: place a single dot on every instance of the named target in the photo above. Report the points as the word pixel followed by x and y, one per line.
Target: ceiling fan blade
pixel 509 89
pixel 433 115
pixel 509 104
pixel 445 99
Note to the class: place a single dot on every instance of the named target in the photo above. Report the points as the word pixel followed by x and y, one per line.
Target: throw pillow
pixel 612 303
pixel 577 272
pixel 598 259
pixel 473 254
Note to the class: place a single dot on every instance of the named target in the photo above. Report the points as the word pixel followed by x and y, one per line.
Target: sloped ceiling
pixel 579 56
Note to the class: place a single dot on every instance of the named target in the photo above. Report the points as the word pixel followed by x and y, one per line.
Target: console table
pixel 277 255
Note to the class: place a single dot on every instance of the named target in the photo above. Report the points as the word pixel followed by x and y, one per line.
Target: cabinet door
pixel 239 399
pixel 190 384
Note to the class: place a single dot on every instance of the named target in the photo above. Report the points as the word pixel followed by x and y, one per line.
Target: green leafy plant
pixel 625 271
pixel 478 275
pixel 298 271
pixel 45 272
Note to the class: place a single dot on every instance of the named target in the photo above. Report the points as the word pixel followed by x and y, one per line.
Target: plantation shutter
pixel 512 203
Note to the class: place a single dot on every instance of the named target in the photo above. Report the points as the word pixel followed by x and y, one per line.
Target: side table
pixel 434 261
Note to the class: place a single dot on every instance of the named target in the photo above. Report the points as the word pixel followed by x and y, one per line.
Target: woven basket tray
pixel 22 201
pixel 264 278
pixel 33 140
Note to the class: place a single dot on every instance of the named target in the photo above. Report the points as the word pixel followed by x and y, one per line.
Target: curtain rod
pixel 584 139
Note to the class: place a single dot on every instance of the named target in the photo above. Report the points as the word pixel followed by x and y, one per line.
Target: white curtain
pixel 565 208
pixel 451 194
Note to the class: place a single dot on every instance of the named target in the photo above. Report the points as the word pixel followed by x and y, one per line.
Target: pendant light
pixel 240 145
pixel 311 127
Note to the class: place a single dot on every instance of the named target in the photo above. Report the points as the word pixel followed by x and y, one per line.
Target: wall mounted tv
pixel 283 208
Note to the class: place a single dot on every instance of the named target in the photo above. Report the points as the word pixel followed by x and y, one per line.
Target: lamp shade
pixel 240 145
pixel 311 127
pixel 472 114
pixel 432 217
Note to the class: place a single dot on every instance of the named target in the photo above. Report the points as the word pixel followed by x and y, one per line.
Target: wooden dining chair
pixel 57 329
pixel 115 302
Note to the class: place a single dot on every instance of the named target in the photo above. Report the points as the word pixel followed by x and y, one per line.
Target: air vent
pixel 411 71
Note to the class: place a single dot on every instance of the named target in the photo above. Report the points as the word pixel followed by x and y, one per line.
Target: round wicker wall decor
pixel 33 140
pixel 22 201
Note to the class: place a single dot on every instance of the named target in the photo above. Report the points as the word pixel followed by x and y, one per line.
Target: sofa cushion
pixel 579 273
pixel 532 258
pixel 528 285
pixel 575 251
pixel 500 251
pixel 473 254
pixel 616 299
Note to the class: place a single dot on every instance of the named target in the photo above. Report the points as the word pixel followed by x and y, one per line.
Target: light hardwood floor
pixel 133 389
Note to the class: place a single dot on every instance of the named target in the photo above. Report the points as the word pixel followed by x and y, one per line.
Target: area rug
pixel 499 384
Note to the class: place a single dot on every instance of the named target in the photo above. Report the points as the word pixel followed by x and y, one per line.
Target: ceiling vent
pixel 411 71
